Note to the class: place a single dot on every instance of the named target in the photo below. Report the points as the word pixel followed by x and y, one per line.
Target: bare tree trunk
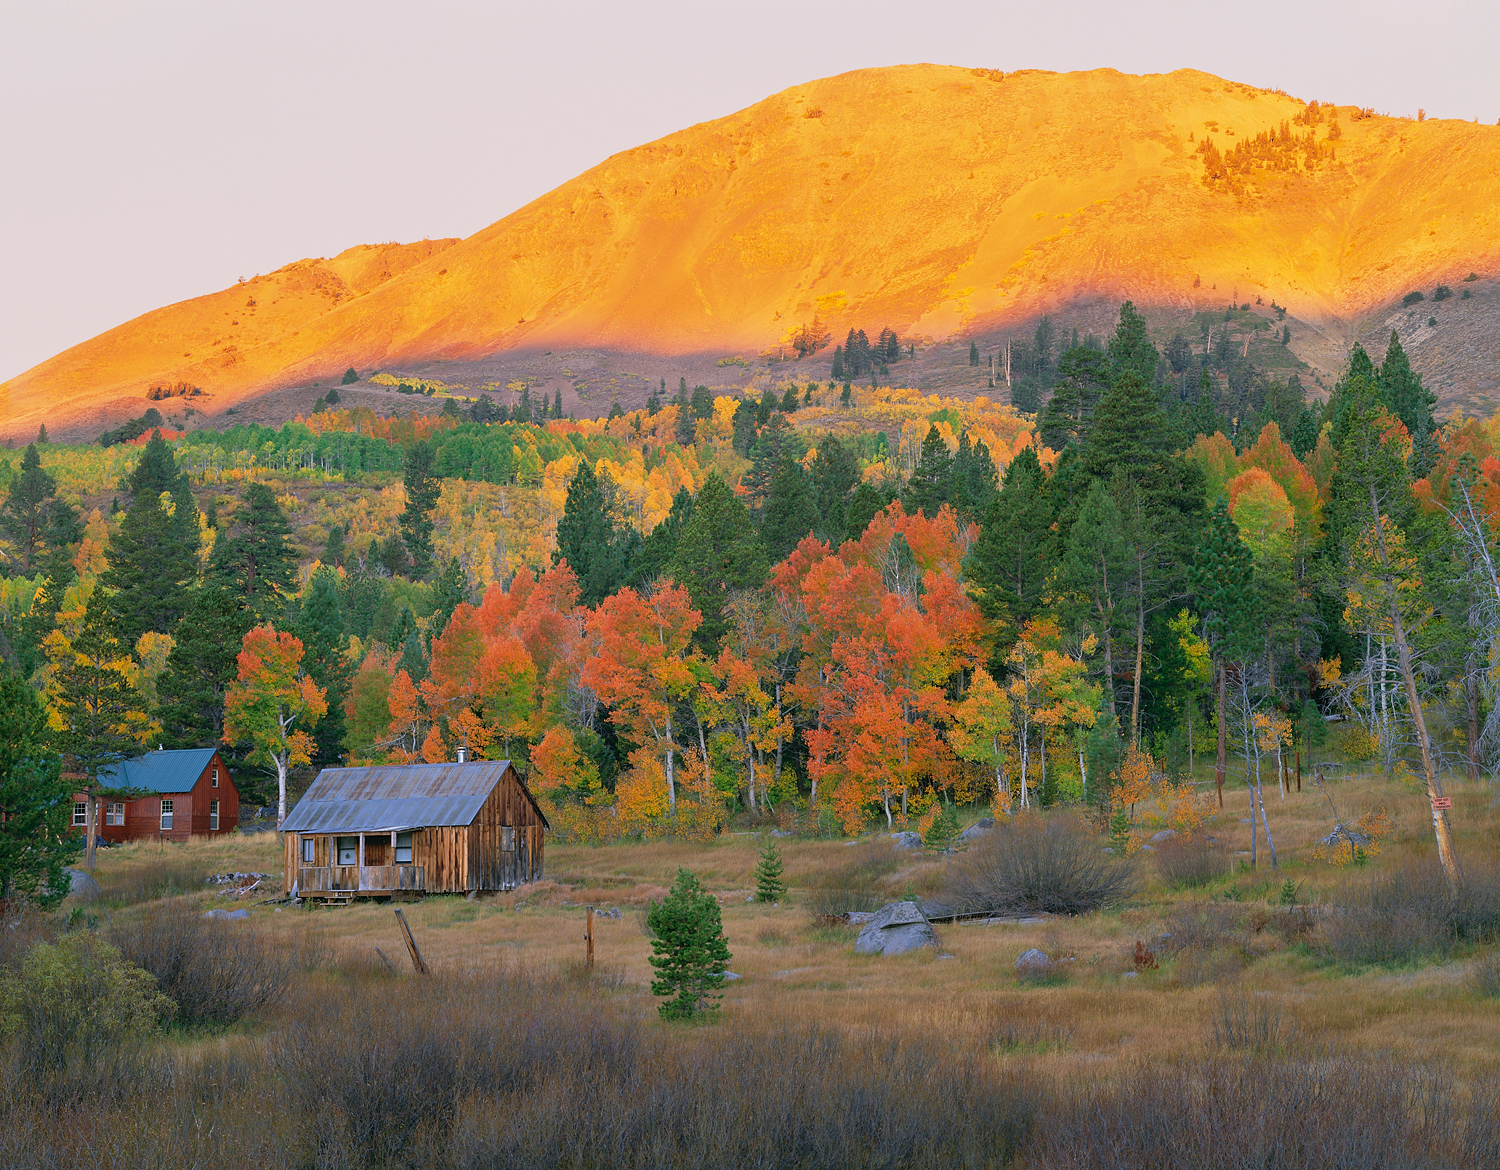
pixel 91 829
pixel 1140 644
pixel 671 785
pixel 1220 764
pixel 281 768
pixel 1471 692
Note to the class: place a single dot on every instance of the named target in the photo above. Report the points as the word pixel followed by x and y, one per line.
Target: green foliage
pixel 320 625
pixel 973 353
pixel 1412 298
pixel 596 546
pixel 931 484
pixel 152 554
pixel 944 830
pixel 423 488
pixel 791 512
pixel 1008 567
pixel 36 803
pixel 133 429
pixel 32 518
pixel 93 701
pixel 689 951
pixel 719 552
pixel 190 691
pixel 769 886
pixel 73 1001
pixel 351 376
pixel 253 560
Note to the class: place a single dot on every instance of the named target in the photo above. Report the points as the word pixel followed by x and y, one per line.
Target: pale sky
pixel 151 152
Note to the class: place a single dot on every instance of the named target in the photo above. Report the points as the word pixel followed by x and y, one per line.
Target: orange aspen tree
pixel 270 697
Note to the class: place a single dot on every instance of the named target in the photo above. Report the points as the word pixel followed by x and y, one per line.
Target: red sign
pixel 1441 802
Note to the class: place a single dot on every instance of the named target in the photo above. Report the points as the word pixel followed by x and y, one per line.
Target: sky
pixel 151 152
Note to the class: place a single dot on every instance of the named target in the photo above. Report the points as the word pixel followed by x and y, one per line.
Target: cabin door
pixel 507 857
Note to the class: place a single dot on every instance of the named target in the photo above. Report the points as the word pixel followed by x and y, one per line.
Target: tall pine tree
pixel 589 539
pixel 320 625
pixel 190 691
pixel 791 512
pixel 719 553
pixel 931 484
pixel 152 555
pixel 423 488
pixel 254 561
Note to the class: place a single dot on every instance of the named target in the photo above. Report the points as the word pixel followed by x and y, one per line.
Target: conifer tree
pixel 777 440
pixel 837 372
pixel 835 473
pixel 333 552
pixel 26 517
pixel 744 428
pixel 769 885
pixel 152 555
pixel 931 484
pixel 1008 566
pixel 846 396
pixel 1082 379
pixel 1131 350
pixel 190 691
pixel 975 480
pixel 1402 392
pixel 1223 583
pixel 656 552
pixel 452 587
pixel 766 407
pixel 791 510
pixel 1304 436
pixel 423 489
pixel 320 626
pixel 36 802
pixel 523 412
pixel 973 353
pixel 689 951
pixel 589 539
pixel 718 553
pixel 790 401
pixel 254 561
pixel 702 403
pixel 865 502
pixel 557 404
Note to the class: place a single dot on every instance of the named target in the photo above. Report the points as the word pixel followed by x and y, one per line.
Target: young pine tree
pixel 691 954
pixel 769 886
pixel 423 488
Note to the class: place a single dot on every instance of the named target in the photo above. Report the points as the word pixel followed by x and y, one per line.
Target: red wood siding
pixel 190 811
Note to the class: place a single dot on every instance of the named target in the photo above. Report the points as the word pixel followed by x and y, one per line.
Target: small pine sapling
pixel 943 831
pixel 769 886
pixel 691 954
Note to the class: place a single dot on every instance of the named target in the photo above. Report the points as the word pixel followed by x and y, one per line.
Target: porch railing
pixel 361 879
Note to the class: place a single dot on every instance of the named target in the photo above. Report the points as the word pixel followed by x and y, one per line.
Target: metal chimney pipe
pixel 463 754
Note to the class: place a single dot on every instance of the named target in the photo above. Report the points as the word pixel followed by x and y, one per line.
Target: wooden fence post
pixel 588 937
pixel 411 945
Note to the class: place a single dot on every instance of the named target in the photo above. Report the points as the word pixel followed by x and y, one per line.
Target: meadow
pixel 1254 1039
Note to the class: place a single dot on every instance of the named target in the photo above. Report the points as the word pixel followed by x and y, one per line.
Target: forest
pixel 840 607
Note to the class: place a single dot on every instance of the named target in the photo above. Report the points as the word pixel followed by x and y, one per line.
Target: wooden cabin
pixel 395 830
pixel 184 794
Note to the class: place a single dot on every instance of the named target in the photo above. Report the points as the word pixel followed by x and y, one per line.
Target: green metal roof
pixel 158 771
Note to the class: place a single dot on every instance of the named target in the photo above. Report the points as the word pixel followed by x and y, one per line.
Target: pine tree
pixel 557 404
pixel 1304 436
pixel 744 428
pixel 973 353
pixel 791 510
pixel 1082 378
pixel 423 489
pixel 702 403
pixel 36 802
pixel 975 480
pixel 190 691
pixel 660 547
pixel 719 552
pixel 837 372
pixel 846 396
pixel 769 886
pixel 589 539
pixel 1008 566
pixel 865 502
pixel 41 435
pixel 931 484
pixel 777 440
pixel 26 514
pixel 452 587
pixel 522 412
pixel 685 431
pixel 689 951
pixel 320 626
pixel 835 473
pixel 333 552
pixel 254 562
pixel 152 555
pixel 95 705
pixel 1130 350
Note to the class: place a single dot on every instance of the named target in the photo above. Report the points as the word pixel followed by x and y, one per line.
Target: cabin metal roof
pixel 175 771
pixel 386 798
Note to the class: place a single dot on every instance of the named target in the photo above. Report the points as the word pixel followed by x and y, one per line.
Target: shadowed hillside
pixel 933 199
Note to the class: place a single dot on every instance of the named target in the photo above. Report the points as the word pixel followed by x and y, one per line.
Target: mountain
pixel 933 199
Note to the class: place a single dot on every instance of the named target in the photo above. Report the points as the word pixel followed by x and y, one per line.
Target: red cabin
pixel 190 795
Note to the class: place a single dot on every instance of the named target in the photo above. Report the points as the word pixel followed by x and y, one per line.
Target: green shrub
pixel 351 375
pixel 1441 293
pixel 691 955
pixel 75 1000
pixel 1412 298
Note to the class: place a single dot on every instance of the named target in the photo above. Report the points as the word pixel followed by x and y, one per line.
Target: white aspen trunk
pixel 1084 773
pixel 91 829
pixel 281 770
pixel 671 785
pixel 1025 761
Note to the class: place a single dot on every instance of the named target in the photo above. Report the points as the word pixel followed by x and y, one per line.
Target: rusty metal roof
pixel 388 797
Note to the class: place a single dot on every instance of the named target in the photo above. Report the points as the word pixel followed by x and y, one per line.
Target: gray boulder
pixel 907 840
pixel 1032 960
pixel 978 829
pixel 236 914
pixel 612 912
pixel 82 885
pixel 895 929
pixel 781 832
pixel 1164 835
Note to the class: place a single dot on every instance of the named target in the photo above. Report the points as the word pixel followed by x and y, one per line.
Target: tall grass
pixel 1035 865
pixel 1410 914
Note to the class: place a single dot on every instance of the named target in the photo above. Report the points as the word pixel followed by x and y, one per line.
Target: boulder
pixel 612 912
pixel 895 929
pixel 978 829
pixel 907 840
pixel 1164 835
pixel 730 976
pixel 82 885
pixel 236 914
pixel 781 832
pixel 1032 960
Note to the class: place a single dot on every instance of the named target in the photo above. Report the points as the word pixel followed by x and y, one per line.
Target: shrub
pixel 1189 861
pixel 1441 293
pixel 691 955
pixel 1410 915
pixel 76 999
pixel 1412 298
pixel 1431 321
pixel 854 886
pixel 351 375
pixel 1485 976
pixel 1035 865
pixel 1249 1023
pixel 214 971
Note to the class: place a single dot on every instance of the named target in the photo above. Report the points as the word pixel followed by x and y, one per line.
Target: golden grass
pixel 795 970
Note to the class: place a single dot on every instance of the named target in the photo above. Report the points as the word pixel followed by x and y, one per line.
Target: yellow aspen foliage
pixel 434 750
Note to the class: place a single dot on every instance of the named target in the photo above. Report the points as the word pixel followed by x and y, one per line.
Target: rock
pixel 907 840
pixel 1343 833
pixel 612 912
pixel 978 829
pixel 730 976
pixel 781 832
pixel 1164 835
pixel 1131 975
pixel 1246 821
pixel 241 913
pixel 1147 849
pixel 896 929
pixel 82 885
pixel 859 917
pixel 1032 960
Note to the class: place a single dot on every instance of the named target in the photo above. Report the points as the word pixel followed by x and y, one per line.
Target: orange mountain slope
pixel 930 198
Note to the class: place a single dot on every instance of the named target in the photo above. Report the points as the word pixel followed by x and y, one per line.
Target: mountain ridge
pixel 935 199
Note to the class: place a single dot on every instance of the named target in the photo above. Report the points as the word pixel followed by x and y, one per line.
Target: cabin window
pixel 213 816
pixel 348 848
pixel 216 775
pixel 166 816
pixel 403 848
pixel 507 838
pixel 114 813
pixel 307 851
pixel 80 812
